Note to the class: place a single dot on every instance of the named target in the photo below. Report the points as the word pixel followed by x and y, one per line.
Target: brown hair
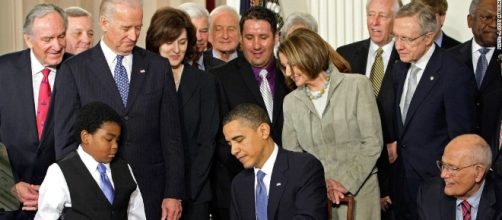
pixel 438 6
pixel 306 50
pixel 166 25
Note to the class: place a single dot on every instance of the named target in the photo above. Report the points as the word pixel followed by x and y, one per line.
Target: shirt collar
pixel 111 56
pixel 268 166
pixel 387 48
pixel 439 39
pixel 422 62
pixel 89 161
pixel 476 46
pixel 36 66
pixel 475 198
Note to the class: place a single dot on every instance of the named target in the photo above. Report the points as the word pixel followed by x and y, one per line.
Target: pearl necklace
pixel 323 90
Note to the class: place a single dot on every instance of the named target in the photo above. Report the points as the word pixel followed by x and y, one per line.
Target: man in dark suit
pixel 440 7
pixel 240 82
pixel 482 21
pixel 139 86
pixel 285 184
pixel 466 190
pixel 362 56
pixel 26 79
pixel 434 103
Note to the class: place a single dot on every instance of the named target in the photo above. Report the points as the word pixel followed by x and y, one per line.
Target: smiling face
pixel 121 31
pixel 47 40
pixel 175 50
pixel 79 35
pixel 225 34
pixel 258 42
pixel 248 145
pixel 293 72
pixel 102 145
pixel 379 19
pixel 483 23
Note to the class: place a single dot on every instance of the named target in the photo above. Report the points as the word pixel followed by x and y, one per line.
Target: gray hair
pixel 426 17
pixel 220 9
pixel 297 18
pixel 194 10
pixel 478 150
pixel 473 7
pixel 41 10
pixel 107 7
pixel 397 5
pixel 75 11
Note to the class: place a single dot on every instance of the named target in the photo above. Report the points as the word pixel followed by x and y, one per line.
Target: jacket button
pixel 404 145
pixel 126 117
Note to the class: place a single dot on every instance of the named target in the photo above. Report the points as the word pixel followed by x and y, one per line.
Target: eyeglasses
pixel 487 19
pixel 408 40
pixel 450 168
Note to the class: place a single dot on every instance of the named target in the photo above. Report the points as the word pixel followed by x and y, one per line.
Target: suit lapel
pixel 138 75
pixel 103 75
pixel 278 183
pixel 188 84
pixel 361 58
pixel 248 194
pixel 400 72
pixel 492 75
pixel 280 93
pixel 25 80
pixel 486 203
pixel 429 78
pixel 249 80
pixel 448 207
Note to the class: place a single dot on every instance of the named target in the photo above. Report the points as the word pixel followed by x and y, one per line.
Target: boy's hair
pixel 92 116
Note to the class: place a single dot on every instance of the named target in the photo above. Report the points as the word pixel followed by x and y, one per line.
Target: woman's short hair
pixel 166 25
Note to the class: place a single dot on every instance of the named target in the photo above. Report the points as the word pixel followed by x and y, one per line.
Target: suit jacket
pixel 150 138
pixel 238 85
pixel 357 55
pixel 297 190
pixel 210 62
pixel 448 42
pixel 434 204
pixel 489 94
pixel 198 100
pixel 29 156
pixel 442 107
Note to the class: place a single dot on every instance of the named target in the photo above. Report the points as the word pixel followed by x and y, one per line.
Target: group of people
pixel 234 117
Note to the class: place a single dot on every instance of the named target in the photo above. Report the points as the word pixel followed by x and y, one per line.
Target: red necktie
pixel 466 210
pixel 44 100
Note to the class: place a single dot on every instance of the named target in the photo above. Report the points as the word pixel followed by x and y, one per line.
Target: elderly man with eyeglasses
pixel 434 103
pixel 465 189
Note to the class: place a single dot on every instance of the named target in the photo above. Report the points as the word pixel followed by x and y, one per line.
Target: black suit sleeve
pixel 311 197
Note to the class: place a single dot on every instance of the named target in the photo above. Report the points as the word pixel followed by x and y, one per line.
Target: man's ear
pixel 480 173
pixel 85 137
pixel 27 40
pixel 264 130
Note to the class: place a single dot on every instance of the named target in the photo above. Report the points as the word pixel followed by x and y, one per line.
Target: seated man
pixel 466 191
pixel 90 183
pixel 285 184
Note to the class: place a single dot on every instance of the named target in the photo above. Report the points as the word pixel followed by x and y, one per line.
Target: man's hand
pixel 385 203
pixel 28 195
pixel 336 191
pixel 171 209
pixel 392 151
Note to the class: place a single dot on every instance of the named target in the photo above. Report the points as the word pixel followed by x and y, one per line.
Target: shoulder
pixel 350 48
pixel 15 56
pixel 228 69
pixel 302 159
pixel 432 187
pixel 457 49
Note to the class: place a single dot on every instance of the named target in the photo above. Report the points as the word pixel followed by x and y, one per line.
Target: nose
pixel 198 35
pixel 176 48
pixel 133 34
pixel 86 38
pixel 398 44
pixel 256 44
pixel 225 33
pixel 445 174
pixel 234 150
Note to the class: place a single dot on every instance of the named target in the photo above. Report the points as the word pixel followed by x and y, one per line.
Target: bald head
pixel 472 148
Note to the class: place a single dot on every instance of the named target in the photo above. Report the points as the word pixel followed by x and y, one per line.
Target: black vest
pixel 87 199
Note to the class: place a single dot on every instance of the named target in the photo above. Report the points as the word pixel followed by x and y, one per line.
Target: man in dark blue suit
pixel 139 86
pixel 26 124
pixel 434 103
pixel 465 184
pixel 287 185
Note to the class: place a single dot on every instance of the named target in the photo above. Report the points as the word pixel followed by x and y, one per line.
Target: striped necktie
pixel 266 93
pixel 466 210
pixel 377 72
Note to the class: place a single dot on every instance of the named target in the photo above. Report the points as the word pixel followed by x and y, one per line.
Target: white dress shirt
pixel 111 59
pixel 232 56
pixel 473 201
pixel 54 194
pixel 372 52
pixel 267 168
pixel 476 54
pixel 421 63
pixel 37 76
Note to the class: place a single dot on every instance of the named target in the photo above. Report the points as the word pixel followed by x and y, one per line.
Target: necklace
pixel 323 90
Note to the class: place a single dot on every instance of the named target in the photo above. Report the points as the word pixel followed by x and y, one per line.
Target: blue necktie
pixel 482 65
pixel 120 76
pixel 105 184
pixel 261 197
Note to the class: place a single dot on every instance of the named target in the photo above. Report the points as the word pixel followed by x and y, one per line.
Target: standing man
pixel 434 103
pixel 79 35
pixel 139 86
pixel 200 20
pixel 252 78
pixel 480 55
pixel 284 184
pixel 224 33
pixel 26 107
pixel 439 7
pixel 375 58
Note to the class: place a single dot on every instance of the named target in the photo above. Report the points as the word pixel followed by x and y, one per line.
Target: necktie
pixel 261 197
pixel 376 75
pixel 105 184
pixel 266 93
pixel 481 66
pixel 195 65
pixel 120 76
pixel 412 85
pixel 466 210
pixel 44 100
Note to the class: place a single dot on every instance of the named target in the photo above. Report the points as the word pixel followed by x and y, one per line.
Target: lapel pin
pixel 278 184
pixel 142 71
pixel 432 78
